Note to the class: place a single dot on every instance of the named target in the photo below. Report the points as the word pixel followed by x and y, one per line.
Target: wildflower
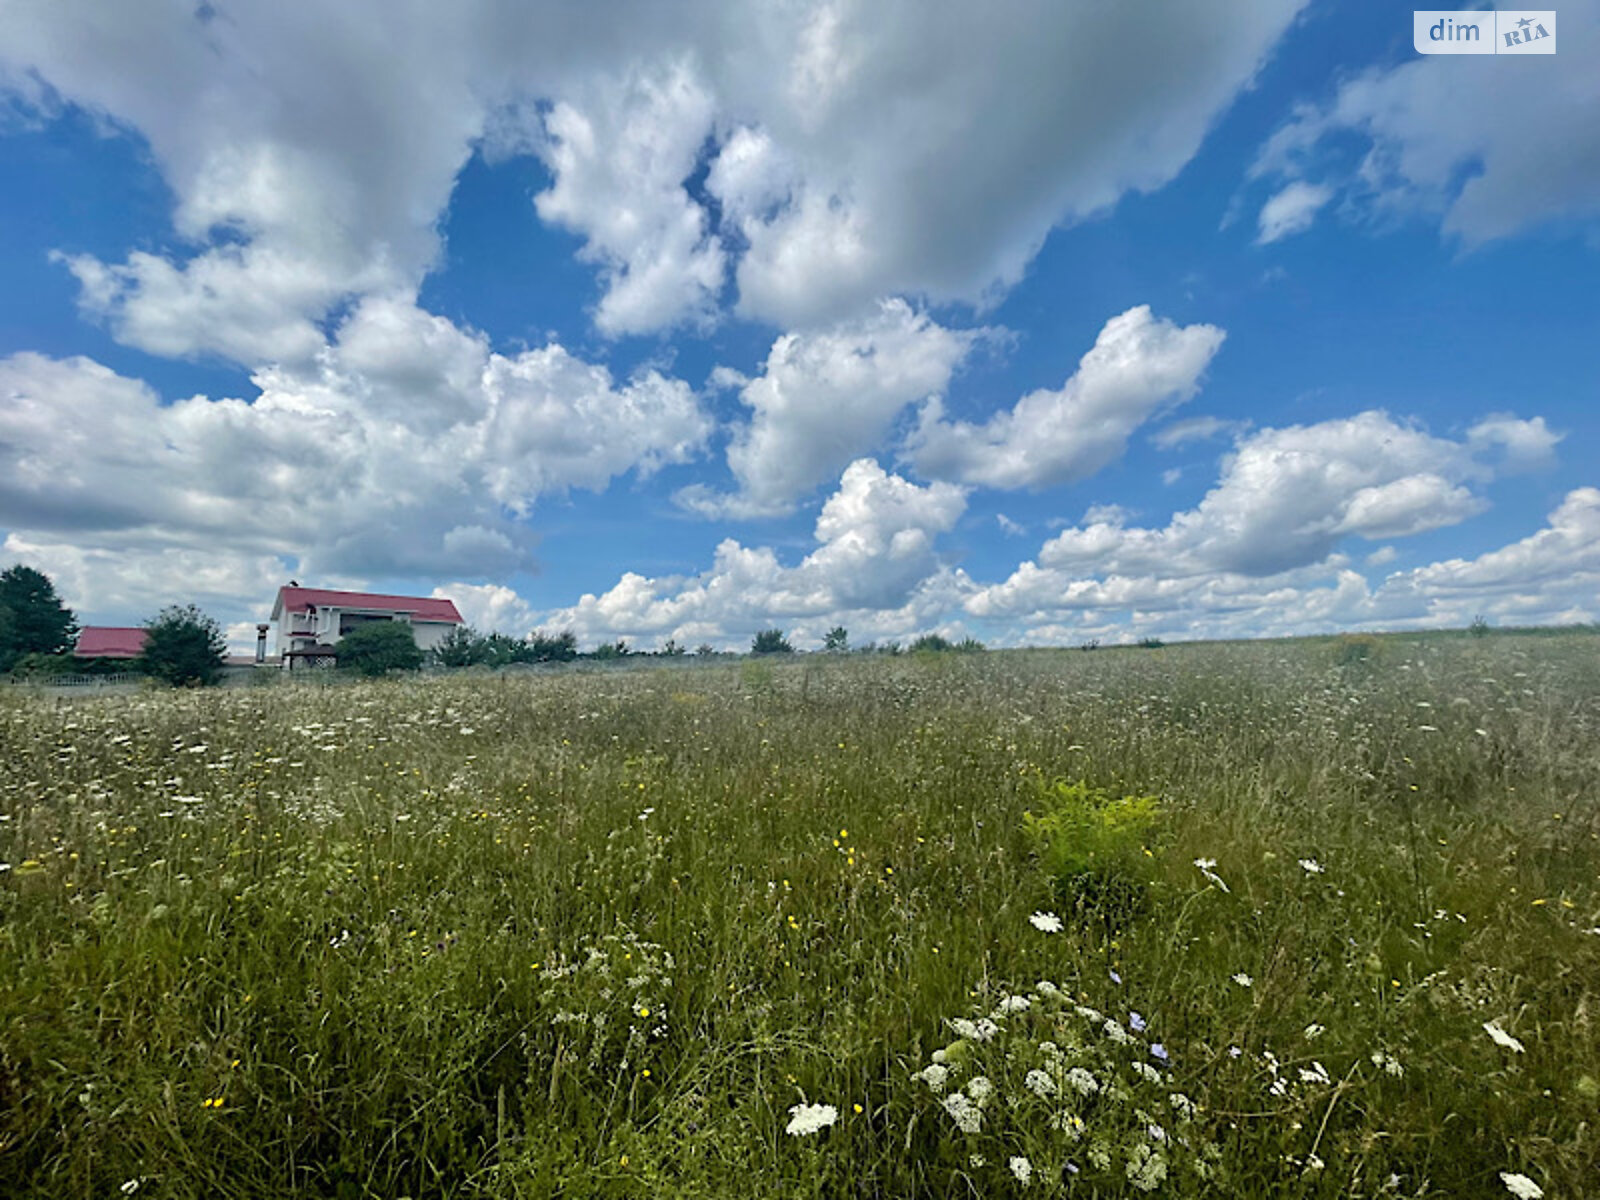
pixel 1115 978
pixel 1147 1167
pixel 965 1028
pixel 985 1029
pixel 1181 1105
pixel 1093 1015
pixel 980 1089
pixel 1116 1032
pixel 1389 1063
pixel 129 1187
pixel 1243 980
pixel 1521 1186
pixel 1039 1083
pixel 1047 989
pixel 1206 865
pixel 1146 1072
pixel 1311 866
pixel 1082 1081
pixel 1021 1168
pixel 1157 1050
pixel 1316 1073
pixel 1157 1134
pixel 1045 922
pixel 934 1076
pixel 1501 1037
pixel 1314 1031
pixel 967 1115
pixel 976 1161
pixel 1135 1022
pixel 1014 1004
pixel 810 1118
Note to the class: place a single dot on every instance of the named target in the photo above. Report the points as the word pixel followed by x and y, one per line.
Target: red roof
pixel 422 608
pixel 109 641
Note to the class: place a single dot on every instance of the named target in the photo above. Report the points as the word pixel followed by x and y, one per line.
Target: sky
pixel 1034 323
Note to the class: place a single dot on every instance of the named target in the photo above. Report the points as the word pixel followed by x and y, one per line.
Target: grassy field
pixel 1281 919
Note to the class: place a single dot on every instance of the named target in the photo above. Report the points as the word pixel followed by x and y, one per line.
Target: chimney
pixel 261 643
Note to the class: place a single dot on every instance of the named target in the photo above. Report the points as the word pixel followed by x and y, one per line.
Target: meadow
pixel 1288 919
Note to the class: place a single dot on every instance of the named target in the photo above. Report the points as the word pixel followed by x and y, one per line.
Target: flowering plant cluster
pixel 610 999
pixel 1042 1088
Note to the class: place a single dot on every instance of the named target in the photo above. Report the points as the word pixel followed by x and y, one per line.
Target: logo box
pixel 1484 31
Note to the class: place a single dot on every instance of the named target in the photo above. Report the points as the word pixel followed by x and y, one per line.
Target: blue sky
pixel 1037 326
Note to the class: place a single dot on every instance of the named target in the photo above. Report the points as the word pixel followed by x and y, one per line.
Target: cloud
pixel 490 607
pixel 1291 210
pixel 620 156
pixel 1139 365
pixel 1488 161
pixel 875 556
pixel 1287 497
pixel 824 398
pixel 311 161
pixel 407 448
pixel 1194 429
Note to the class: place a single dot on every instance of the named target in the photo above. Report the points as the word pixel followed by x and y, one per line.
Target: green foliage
pixel 771 641
pixel 378 647
pixel 1094 845
pixel 1356 649
pixel 671 649
pixel 705 650
pixel 32 618
pixel 1479 627
pixel 931 643
pixel 1151 643
pixel 611 651
pixel 183 646
pixel 836 640
pixel 461 647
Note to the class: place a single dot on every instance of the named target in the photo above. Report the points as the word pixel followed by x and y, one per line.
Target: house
pixel 311 621
pixel 109 641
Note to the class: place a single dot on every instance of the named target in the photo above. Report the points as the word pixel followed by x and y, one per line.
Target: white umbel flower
pixel 1521 1186
pixel 1021 1168
pixel 807 1119
pixel 1045 922
pixel 1501 1037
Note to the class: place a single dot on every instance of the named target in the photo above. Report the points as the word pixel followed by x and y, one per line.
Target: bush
pixel 379 647
pixel 183 647
pixel 771 641
pixel 1093 844
pixel 931 643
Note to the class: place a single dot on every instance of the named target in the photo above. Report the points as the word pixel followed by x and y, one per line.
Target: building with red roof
pixel 311 621
pixel 109 641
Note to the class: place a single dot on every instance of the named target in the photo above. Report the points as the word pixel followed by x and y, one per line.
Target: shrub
pixel 931 643
pixel 1356 649
pixel 183 647
pixel 1093 844
pixel 771 641
pixel 379 647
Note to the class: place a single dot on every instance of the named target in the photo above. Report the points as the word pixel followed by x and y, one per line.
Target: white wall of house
pixel 326 624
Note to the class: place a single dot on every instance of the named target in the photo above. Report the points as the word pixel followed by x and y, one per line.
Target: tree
pixel 671 649
pixel 931 643
pixel 461 647
pixel 837 640
pixel 611 650
pixel 183 646
pixel 771 641
pixel 32 618
pixel 553 647
pixel 379 647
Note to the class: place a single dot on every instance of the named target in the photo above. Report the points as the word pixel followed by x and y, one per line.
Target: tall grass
pixel 597 936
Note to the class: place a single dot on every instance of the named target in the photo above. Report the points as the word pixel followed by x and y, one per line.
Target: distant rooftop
pixel 109 641
pixel 423 608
